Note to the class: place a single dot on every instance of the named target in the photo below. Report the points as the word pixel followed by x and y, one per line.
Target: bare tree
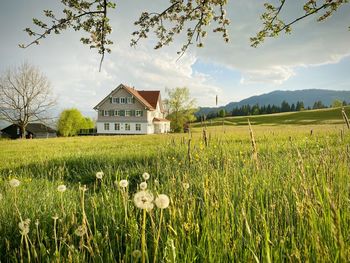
pixel 25 96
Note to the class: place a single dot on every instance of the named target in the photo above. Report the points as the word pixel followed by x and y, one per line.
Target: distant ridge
pixel 308 96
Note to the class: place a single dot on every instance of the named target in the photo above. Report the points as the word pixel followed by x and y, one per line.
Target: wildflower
pixel 24 227
pixel 162 201
pixel 123 183
pixel 14 183
pixel 185 185
pixel 136 254
pixel 83 188
pixel 143 186
pixel 145 176
pixel 143 200
pixel 80 231
pixel 61 188
pixel 99 175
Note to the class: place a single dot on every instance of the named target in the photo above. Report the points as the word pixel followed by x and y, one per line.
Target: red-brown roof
pixel 160 120
pixel 151 96
pixel 141 98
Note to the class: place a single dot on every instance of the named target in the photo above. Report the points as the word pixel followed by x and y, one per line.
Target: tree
pixel 193 17
pixel 337 103
pixel 71 121
pixel 181 108
pixel 222 113
pixel 318 105
pixel 285 107
pixel 300 106
pixel 25 96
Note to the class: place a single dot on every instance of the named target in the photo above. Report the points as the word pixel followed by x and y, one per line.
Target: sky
pixel 315 55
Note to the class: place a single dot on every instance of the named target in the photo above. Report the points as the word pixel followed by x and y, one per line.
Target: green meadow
pixel 286 199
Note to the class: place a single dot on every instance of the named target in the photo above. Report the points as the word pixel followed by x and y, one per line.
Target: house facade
pixel 129 111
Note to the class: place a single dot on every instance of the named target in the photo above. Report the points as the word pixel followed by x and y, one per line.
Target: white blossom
pixel 143 186
pixel 14 183
pixel 144 200
pixel 123 183
pixel 145 176
pixel 99 175
pixel 61 188
pixel 162 201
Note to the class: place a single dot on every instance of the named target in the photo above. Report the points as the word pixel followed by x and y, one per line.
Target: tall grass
pixel 294 207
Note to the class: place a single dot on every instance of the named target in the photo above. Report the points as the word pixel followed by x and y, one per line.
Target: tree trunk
pixel 23 131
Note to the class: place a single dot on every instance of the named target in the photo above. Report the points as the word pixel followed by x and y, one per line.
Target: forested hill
pixel 308 96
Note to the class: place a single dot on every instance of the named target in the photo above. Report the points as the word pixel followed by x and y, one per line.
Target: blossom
pixel 24 227
pixel 145 176
pixel 123 183
pixel 14 183
pixel 80 231
pixel 185 185
pixel 99 175
pixel 61 188
pixel 144 199
pixel 143 186
pixel 162 201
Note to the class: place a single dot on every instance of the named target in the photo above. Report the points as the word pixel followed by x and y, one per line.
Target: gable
pixel 134 93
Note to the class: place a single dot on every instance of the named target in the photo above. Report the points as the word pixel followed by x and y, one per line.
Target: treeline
pixel 256 109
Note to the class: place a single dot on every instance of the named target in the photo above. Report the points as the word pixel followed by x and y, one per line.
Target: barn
pixel 33 130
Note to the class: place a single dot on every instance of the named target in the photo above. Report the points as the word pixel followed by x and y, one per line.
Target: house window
pixel 127 113
pixel 122 100
pixel 127 126
pixel 105 113
pixel 115 100
pixel 117 126
pixel 106 126
pixel 116 113
pixel 138 127
pixel 130 100
pixel 138 113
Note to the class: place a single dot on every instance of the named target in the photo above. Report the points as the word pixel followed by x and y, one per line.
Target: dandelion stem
pixel 158 236
pixel 143 237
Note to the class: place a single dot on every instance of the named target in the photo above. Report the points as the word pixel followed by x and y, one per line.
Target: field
pixel 287 200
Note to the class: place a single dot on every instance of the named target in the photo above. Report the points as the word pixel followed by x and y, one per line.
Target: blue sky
pixel 315 55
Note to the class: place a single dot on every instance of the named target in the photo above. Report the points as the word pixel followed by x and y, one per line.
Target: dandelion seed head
pixel 83 188
pixel 99 175
pixel 14 183
pixel 185 185
pixel 162 201
pixel 143 200
pixel 61 188
pixel 80 231
pixel 143 186
pixel 145 176
pixel 24 227
pixel 136 254
pixel 123 183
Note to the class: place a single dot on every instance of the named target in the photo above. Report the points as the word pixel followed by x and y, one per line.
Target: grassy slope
pixel 323 116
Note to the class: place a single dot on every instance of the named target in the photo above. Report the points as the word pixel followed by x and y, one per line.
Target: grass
pixel 294 206
pixel 309 117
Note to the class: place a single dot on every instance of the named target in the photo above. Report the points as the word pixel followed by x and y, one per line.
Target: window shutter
pixel 101 112
pixel 122 112
pixel 141 113
pixel 111 113
pixel 133 113
pixel 117 100
pixel 133 100
pixel 110 99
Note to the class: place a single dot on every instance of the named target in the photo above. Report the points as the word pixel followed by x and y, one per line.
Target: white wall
pixel 101 130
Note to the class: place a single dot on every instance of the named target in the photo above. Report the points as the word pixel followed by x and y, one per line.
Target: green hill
pixel 323 116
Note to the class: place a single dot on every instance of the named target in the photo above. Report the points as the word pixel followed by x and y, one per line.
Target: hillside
pixel 308 96
pixel 323 116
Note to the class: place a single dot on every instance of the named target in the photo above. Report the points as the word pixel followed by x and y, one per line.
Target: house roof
pixel 149 98
pixel 34 128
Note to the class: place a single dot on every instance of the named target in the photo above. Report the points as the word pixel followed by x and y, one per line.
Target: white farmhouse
pixel 129 111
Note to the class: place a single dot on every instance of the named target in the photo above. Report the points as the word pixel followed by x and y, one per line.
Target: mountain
pixel 308 96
